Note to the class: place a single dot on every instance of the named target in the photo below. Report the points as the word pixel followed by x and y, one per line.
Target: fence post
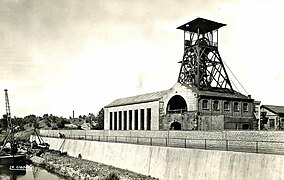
pixel 166 142
pixel 256 148
pixel 184 143
pixel 115 138
pixel 205 143
pixel 151 141
pixel 137 141
pixel 106 138
pixel 99 138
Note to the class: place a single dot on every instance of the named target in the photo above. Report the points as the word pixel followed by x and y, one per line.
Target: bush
pixel 48 123
pixel 112 176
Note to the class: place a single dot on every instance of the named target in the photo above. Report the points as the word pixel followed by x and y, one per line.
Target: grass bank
pixel 76 168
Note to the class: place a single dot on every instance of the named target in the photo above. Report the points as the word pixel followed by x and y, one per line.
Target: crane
pixel 9 138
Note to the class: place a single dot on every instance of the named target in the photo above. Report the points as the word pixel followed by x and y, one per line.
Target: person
pixel 80 156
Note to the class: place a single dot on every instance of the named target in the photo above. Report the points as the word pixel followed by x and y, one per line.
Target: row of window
pixel 116 119
pixel 226 105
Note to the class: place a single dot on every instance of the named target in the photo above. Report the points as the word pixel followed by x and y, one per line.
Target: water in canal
pixel 31 173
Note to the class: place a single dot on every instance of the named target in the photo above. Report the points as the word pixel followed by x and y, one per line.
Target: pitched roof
pixel 155 96
pixel 274 109
pixel 220 93
pixel 235 95
pixel 143 98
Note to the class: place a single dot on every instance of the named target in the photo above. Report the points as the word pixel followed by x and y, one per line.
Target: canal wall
pixel 176 163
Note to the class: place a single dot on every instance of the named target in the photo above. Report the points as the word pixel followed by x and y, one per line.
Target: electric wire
pixel 235 78
pixel 235 86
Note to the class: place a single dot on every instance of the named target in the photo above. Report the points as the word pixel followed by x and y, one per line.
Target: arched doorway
pixel 175 126
pixel 176 104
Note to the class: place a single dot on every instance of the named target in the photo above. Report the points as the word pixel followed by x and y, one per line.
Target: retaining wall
pixel 176 163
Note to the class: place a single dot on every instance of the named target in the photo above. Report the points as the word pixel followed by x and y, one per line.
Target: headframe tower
pixel 202 65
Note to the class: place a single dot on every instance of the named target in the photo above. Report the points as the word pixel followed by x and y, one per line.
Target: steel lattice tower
pixel 202 65
pixel 10 129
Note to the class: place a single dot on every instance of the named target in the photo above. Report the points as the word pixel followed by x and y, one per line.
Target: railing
pixel 264 147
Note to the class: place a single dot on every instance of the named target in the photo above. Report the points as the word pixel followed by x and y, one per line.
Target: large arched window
pixel 176 105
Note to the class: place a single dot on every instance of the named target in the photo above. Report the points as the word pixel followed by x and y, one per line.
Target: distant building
pixel 256 112
pixel 274 117
pixel 70 126
pixel 202 99
pixel 86 126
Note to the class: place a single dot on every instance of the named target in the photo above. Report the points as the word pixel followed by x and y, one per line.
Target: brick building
pixel 202 99
pixel 180 108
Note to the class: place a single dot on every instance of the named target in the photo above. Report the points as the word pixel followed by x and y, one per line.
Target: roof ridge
pixel 141 98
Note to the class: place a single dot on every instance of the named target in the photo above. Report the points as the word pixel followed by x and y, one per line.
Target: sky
pixel 60 56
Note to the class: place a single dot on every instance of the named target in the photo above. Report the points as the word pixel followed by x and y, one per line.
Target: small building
pixel 202 99
pixel 256 112
pixel 273 117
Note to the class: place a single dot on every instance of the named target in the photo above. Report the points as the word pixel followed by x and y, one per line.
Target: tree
pixel 32 119
pixel 61 123
pixel 100 120
pixel 4 122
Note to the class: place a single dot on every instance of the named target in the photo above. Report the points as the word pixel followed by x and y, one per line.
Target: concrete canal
pixel 31 173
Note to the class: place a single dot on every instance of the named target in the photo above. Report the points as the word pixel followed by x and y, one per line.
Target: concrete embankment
pixel 176 163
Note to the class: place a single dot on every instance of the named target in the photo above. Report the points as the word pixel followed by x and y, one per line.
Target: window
pixel 136 119
pixel 120 120
pixel 142 119
pixel 216 106
pixel 245 126
pixel 115 121
pixel 245 107
pixel 149 119
pixel 110 121
pixel 226 106
pixel 236 106
pixel 124 120
pixel 205 104
pixel 272 123
pixel 130 119
pixel 176 104
pixel 256 110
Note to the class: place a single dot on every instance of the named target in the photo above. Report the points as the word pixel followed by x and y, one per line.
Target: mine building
pixel 203 97
pixel 272 117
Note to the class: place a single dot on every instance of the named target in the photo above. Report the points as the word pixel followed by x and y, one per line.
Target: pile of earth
pixel 76 168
